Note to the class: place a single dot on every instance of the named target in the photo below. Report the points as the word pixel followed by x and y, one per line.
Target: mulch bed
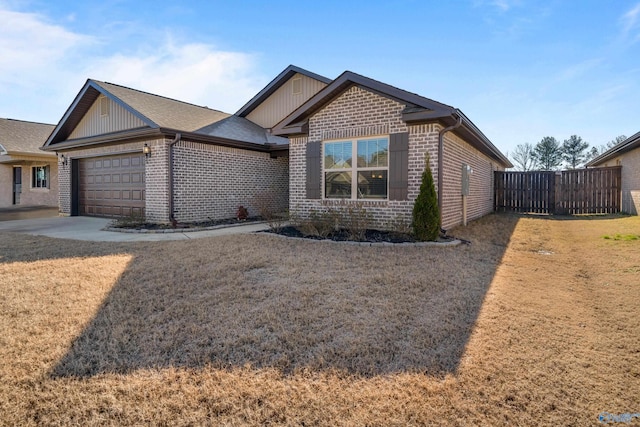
pixel 371 236
pixel 182 225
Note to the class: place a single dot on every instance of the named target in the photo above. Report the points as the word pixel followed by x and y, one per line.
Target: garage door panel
pixel 112 186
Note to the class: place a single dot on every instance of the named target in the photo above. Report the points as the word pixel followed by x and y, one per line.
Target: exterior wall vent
pixel 296 85
pixel 104 106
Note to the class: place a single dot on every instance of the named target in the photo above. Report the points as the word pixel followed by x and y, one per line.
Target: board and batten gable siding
pixel 358 113
pixel 630 162
pixel 283 101
pixel 480 199
pixel 95 123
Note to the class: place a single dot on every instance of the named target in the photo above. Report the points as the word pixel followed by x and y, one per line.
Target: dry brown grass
pixel 535 323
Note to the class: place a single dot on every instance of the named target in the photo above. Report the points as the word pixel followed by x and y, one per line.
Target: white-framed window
pixel 366 177
pixel 40 177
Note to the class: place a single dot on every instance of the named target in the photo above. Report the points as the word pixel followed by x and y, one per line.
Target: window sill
pixel 351 202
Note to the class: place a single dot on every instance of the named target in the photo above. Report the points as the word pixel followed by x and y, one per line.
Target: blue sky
pixel 519 69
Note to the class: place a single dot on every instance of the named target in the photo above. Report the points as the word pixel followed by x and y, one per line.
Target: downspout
pixel 441 159
pixel 175 140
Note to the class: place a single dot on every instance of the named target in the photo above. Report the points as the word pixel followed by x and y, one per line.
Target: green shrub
pixel 426 214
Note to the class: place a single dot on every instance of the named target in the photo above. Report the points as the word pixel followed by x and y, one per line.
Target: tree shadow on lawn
pixel 269 302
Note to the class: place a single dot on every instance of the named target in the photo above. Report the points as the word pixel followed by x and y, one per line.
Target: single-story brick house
pixel 627 155
pixel 202 163
pixel 28 176
pixel 362 141
pixel 124 152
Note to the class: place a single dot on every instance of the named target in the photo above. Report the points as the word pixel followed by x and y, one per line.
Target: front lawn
pixel 535 322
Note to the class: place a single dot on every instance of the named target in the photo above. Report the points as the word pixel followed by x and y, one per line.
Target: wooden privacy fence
pixel 573 192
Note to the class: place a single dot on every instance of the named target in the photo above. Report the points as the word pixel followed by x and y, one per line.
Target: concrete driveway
pixel 27 212
pixel 91 229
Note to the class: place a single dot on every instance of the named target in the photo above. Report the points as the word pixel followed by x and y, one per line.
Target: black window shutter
pixel 399 166
pixel 47 175
pixel 314 169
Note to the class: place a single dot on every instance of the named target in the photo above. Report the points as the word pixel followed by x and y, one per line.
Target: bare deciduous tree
pixel 524 157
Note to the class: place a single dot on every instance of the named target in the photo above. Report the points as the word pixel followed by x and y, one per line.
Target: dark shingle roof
pixel 164 112
pixel 154 110
pixel 625 146
pixel 417 109
pixel 241 129
pixel 17 136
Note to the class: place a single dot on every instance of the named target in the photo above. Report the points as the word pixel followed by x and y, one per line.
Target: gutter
pixel 441 158
pixel 173 142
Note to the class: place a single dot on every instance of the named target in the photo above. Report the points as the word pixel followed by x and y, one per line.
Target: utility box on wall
pixel 466 174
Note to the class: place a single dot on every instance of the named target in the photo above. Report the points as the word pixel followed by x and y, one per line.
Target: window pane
pixel 337 155
pixel 40 176
pixel 372 184
pixel 373 153
pixel 337 185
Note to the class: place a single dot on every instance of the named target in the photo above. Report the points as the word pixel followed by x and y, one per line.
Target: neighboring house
pixel 28 176
pixel 125 152
pixel 360 142
pixel 627 155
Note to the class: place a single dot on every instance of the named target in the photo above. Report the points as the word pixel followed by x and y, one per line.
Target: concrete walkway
pixel 91 229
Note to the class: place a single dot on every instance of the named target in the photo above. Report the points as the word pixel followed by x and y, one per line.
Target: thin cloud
pixel 44 65
pixel 580 69
pixel 196 73
pixel 630 19
pixel 501 5
pixel 29 45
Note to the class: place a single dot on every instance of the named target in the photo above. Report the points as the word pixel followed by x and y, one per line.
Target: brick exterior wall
pixel 154 162
pixel 29 196
pixel 360 113
pixel 630 162
pixel 156 181
pixel 480 199
pixel 6 185
pixel 211 181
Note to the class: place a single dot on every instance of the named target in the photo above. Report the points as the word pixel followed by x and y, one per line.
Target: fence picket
pixel 581 191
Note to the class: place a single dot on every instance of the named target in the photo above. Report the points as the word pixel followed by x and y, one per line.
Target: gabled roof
pixel 624 147
pixel 275 84
pixel 415 103
pixel 418 109
pixel 154 110
pixel 22 137
pixel 241 129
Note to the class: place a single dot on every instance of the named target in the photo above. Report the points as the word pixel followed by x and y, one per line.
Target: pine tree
pixel 548 154
pixel 573 151
pixel 426 214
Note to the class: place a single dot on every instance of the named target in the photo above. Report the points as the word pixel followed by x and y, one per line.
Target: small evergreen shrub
pixel 426 214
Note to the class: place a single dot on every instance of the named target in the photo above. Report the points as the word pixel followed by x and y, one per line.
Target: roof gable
pixel 275 84
pixel 624 147
pixel 22 137
pixel 415 103
pixel 418 109
pixel 151 110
